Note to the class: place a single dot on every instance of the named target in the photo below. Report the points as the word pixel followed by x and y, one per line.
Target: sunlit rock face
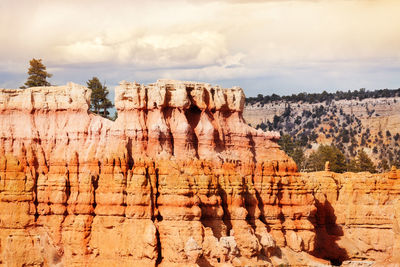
pixel 357 216
pixel 179 179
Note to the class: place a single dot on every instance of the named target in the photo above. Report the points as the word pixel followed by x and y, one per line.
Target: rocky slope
pixel 372 124
pixel 179 179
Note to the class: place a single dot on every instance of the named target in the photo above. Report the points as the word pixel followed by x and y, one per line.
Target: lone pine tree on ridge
pixel 37 74
pixel 99 102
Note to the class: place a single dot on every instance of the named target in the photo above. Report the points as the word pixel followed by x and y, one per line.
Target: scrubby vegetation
pixel 349 145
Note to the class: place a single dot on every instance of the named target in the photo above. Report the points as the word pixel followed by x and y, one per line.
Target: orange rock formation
pixel 179 179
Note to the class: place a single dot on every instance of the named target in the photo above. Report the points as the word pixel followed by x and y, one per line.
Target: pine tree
pixel 99 103
pixel 286 143
pixel 298 157
pixel 324 153
pixel 353 166
pixel 37 74
pixel 365 163
pixel 292 149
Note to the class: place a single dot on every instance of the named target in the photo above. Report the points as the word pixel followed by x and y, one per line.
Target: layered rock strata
pixel 179 179
pixel 357 216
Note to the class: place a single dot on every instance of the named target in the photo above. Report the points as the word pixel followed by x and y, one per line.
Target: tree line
pixel 99 102
pixel 324 96
pixel 316 160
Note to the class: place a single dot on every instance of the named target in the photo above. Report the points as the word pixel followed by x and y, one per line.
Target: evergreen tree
pixel 353 166
pixel 99 103
pixel 324 153
pixel 298 157
pixel 37 74
pixel 293 149
pixel 365 163
pixel 286 144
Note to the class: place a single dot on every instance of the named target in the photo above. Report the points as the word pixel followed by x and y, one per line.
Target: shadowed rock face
pixel 179 179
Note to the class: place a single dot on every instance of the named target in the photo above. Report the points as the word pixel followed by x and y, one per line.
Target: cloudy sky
pixel 268 46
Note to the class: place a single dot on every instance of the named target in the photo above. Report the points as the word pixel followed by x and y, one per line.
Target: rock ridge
pixel 179 179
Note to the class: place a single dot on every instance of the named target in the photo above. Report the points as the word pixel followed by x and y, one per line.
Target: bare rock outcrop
pixel 179 179
pixel 357 216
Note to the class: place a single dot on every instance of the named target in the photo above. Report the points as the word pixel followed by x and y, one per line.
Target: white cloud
pixel 85 51
pixel 168 50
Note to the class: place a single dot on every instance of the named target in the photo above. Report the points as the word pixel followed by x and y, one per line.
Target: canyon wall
pixel 179 179
pixel 371 124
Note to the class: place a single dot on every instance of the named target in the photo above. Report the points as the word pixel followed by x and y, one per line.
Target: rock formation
pixel 179 179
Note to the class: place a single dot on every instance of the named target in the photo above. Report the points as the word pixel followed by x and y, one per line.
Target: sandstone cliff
pixel 179 179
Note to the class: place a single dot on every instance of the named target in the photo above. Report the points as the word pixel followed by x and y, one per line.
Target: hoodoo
pixel 179 179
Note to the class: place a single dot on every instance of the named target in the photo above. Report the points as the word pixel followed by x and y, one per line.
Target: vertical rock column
pixel 180 229
pixel 17 212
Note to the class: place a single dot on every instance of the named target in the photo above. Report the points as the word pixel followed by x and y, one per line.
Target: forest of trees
pixel 324 96
pixel 316 160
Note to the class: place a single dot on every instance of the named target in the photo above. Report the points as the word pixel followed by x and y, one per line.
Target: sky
pixel 265 47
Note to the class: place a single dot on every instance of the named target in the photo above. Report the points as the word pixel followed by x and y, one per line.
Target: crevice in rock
pixel 214 223
pixel 227 216
pixel 159 253
pixel 157 184
pixel 252 147
pixel 130 161
pixel 261 208
pixel 95 182
pixel 67 191
pixel 167 138
pixel 219 145
pixel 152 195
pixel 157 218
pixel 193 117
pixel 281 216
pixel 250 208
pixel 260 203
pixel 35 199
pixel 35 174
